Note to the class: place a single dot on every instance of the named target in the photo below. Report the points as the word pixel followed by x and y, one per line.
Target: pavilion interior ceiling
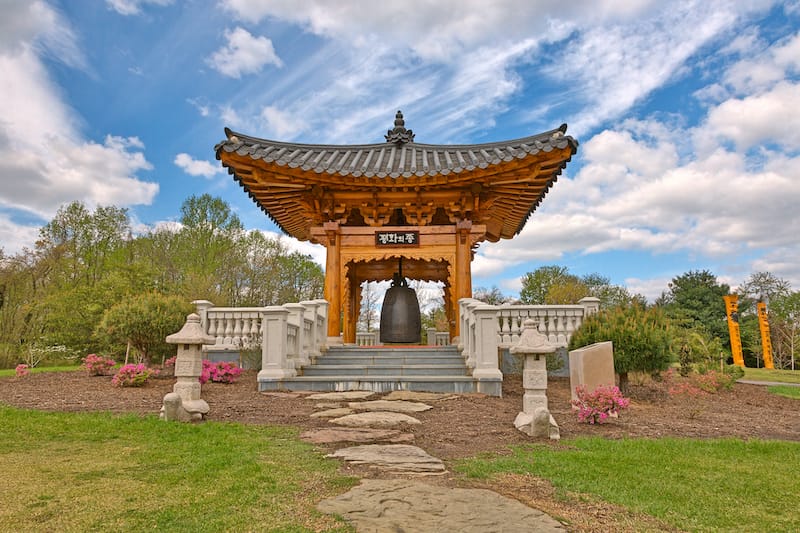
pixel 418 269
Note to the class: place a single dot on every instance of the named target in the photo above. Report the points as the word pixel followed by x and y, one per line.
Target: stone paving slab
pixel 362 435
pixel 392 458
pixel 376 419
pixel 332 413
pixel 341 396
pixel 414 507
pixel 417 396
pixel 327 405
pixel 394 406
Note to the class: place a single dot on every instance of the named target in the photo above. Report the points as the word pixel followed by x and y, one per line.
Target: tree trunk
pixel 623 383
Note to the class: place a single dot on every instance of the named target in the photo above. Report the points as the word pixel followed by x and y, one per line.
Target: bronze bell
pixel 400 316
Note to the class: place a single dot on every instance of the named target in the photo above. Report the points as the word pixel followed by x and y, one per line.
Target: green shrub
pixel 734 371
pixel 144 321
pixel 641 338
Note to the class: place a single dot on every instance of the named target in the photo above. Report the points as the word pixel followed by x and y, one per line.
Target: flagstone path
pixel 392 505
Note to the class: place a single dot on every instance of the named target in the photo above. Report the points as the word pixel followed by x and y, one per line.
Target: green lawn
pixel 99 472
pixel 785 390
pixel 695 485
pixel 762 374
pixel 6 372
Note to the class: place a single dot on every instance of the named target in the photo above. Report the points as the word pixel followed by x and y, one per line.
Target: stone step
pixel 389 360
pixel 403 350
pixel 371 369
pixel 452 384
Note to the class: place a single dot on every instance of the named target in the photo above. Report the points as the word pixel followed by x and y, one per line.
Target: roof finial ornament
pixel 399 135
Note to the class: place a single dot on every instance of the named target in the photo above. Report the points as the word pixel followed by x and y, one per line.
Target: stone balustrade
pixel 367 338
pixel 289 335
pixel 292 334
pixel 556 322
pixel 486 328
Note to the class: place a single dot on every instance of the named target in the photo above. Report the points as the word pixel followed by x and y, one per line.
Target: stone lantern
pixel 535 418
pixel 184 402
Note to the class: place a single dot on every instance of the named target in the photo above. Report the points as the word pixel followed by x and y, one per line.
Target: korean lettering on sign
pixel 397 238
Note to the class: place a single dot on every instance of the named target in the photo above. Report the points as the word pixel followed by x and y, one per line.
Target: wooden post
pixel 333 289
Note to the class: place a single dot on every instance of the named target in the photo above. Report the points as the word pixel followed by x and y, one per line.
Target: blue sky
pixel 688 114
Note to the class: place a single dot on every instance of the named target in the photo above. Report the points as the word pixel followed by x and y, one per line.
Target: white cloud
pixel 14 237
pixel 770 117
pixel 201 105
pixel 613 67
pixel 649 288
pixel 133 7
pixel 44 159
pixel 281 124
pixel 438 30
pixel 243 54
pixel 766 66
pixel 317 252
pixel 197 167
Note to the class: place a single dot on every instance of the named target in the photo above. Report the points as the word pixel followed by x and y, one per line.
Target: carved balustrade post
pixel 297 317
pixel 485 350
pixel 275 365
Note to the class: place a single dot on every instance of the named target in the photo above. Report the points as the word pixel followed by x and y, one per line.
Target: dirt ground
pixel 462 426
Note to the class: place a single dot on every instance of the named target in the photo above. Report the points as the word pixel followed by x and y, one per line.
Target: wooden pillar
pixel 463 281
pixel 349 295
pixel 333 287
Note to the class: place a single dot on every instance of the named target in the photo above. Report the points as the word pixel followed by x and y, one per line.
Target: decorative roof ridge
pixel 399 135
pixel 554 134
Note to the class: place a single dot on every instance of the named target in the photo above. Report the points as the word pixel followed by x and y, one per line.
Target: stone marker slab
pixel 375 419
pixel 591 366
pixel 417 396
pixel 341 396
pixel 414 507
pixel 363 435
pixel 394 406
pixel 392 457
pixel 332 413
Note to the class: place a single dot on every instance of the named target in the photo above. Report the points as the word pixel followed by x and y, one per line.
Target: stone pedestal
pixel 535 418
pixel 184 402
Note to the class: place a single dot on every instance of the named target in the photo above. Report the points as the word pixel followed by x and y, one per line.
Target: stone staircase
pixel 415 368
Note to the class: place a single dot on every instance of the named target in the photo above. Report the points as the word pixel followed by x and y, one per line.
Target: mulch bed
pixel 462 426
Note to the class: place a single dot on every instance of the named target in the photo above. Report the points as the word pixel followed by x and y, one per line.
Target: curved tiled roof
pixel 298 185
pixel 392 160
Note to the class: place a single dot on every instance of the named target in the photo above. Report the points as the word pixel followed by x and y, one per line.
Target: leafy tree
pixel 492 296
pixel 568 291
pixel 610 295
pixel 144 321
pixel 694 300
pixel 368 315
pixel 784 316
pixel 695 347
pixel 555 285
pixel 207 248
pixel 536 284
pixel 764 285
pixel 641 338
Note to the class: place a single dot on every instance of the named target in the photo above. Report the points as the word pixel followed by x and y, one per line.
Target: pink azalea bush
pixel 595 407
pixel 713 381
pixel 22 370
pixel 221 372
pixel 133 375
pixel 96 365
pixel 695 385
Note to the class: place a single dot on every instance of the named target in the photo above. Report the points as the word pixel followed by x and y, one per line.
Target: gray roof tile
pixel 390 160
